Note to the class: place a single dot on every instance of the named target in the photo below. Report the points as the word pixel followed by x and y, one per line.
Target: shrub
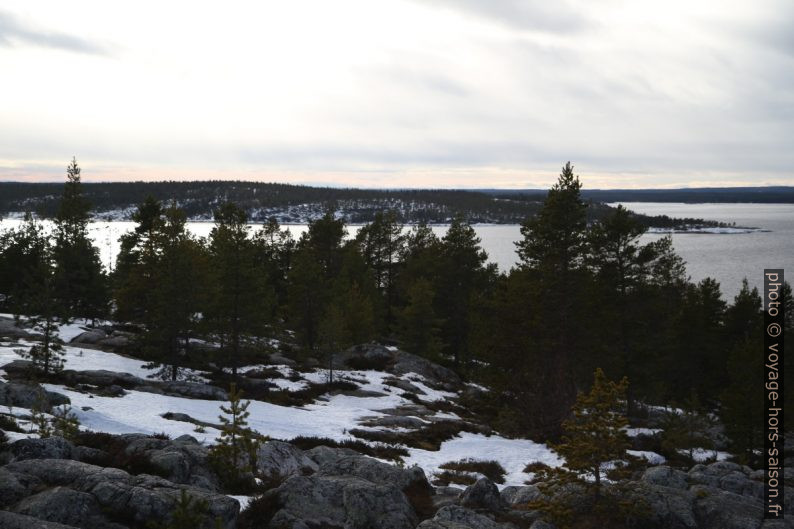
pixel 493 470
pixel 394 453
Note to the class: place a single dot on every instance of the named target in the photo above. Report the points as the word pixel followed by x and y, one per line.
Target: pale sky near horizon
pixel 400 93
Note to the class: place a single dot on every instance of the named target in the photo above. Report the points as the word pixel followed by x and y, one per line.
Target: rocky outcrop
pixel 26 395
pixel 281 460
pixel 341 501
pixel 49 448
pixel 182 460
pixel 83 495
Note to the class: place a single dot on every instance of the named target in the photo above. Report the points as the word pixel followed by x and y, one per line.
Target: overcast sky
pixel 400 93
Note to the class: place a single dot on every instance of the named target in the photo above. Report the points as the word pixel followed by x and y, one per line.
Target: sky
pixel 400 93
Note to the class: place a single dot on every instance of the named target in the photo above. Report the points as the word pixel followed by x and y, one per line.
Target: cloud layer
pixel 453 93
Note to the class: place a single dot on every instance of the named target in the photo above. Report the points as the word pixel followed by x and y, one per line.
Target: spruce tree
pixel 65 423
pixel 80 287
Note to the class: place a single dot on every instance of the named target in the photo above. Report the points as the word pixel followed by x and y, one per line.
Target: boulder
pixel 191 390
pixel 483 494
pixel 441 376
pixel 182 460
pixel 280 459
pixel 520 495
pixel 341 501
pixel 665 476
pixel 668 507
pixel 90 337
pixel 26 395
pixel 62 505
pixel 375 471
pixel 48 448
pixel 456 517
pixel 280 359
pixel 326 454
pixel 719 509
pixel 10 329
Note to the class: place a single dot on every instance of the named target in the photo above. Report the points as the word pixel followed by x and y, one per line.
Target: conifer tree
pixel 33 296
pixel 234 452
pixel 241 301
pixel 417 323
pixel 80 287
pixel 65 423
pixel 594 435
pixel 465 276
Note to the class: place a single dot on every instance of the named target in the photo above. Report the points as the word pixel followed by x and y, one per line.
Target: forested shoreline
pixel 295 204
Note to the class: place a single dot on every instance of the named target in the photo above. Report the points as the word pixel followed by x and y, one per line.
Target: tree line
pixel 585 295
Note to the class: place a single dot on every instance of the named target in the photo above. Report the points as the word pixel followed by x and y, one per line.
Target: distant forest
pixel 301 204
pixel 758 195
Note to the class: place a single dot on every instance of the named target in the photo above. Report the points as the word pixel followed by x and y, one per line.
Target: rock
pixel 405 363
pixel 10 520
pixel 13 488
pixel 727 476
pixel 341 501
pixel 666 477
pixel 455 517
pixel 542 524
pixel 191 390
pixel 182 460
pixel 403 385
pixel 375 471
pixel 446 496
pixel 280 459
pixel 117 340
pixel 363 355
pixel 141 499
pixel 483 494
pixel 669 507
pixel 326 454
pixel 48 448
pixel 28 395
pixel 9 329
pixel 719 509
pixel 520 495
pixel 279 359
pixel 90 337
pixel 62 505
pixel 395 421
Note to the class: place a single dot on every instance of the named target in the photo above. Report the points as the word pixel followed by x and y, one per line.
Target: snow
pixel 651 457
pixel 703 455
pixel 634 432
pixel 80 359
pixel 512 454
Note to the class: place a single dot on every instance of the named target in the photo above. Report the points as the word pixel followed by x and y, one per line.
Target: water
pixel 726 257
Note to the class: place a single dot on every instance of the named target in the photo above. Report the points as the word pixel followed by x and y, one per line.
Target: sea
pixel 726 257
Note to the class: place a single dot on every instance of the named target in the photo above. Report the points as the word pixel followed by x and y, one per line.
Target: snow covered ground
pixel 331 416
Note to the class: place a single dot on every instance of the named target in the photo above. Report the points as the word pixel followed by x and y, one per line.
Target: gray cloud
pixel 12 32
pixel 525 15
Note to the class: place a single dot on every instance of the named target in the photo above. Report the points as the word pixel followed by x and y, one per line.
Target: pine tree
pixel 595 435
pixel 241 301
pixel 80 286
pixel 65 423
pixel 741 413
pixel 234 453
pixel 552 254
pixel 417 323
pixel 465 276
pixel 33 296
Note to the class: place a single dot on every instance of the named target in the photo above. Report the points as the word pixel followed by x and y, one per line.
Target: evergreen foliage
pixel 234 452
